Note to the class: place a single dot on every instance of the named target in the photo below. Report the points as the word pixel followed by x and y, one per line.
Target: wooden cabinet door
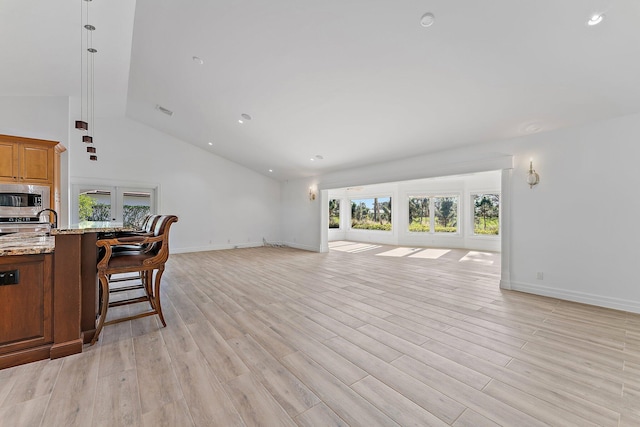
pixel 8 162
pixel 36 163
pixel 25 307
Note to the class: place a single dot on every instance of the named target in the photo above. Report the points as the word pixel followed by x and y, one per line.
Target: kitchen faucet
pixel 55 216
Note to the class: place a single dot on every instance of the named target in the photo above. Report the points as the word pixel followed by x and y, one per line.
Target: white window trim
pixel 117 189
pixel 363 197
pixel 471 210
pixel 432 213
pixel 340 213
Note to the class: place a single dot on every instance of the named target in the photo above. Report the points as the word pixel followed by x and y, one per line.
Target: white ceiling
pixel 357 82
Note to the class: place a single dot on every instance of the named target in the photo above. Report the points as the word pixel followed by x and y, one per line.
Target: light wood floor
pixel 359 336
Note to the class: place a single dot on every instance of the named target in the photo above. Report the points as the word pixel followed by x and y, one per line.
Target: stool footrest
pixel 128 301
pixel 126 288
pixel 137 316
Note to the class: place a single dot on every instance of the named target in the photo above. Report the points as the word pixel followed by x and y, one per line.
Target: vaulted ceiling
pixel 345 83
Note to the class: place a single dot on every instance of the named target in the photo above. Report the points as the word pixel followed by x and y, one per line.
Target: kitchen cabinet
pixel 26 308
pixel 31 161
pixel 40 312
pixel 26 160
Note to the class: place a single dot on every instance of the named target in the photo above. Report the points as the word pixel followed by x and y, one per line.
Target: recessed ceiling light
pixel 427 19
pixel 532 127
pixel 319 157
pixel 211 143
pixel 595 19
pixel 312 159
pixel 270 170
pixel 198 60
pixel 245 116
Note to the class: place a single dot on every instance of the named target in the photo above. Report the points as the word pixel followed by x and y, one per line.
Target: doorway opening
pixel 461 211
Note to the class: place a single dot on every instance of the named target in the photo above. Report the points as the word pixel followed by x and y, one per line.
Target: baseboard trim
pixel 219 247
pixel 66 348
pixel 581 297
pixel 27 355
pixel 302 247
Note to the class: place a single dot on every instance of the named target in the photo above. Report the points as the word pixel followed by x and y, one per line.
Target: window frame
pixel 472 214
pixel 339 200
pixel 431 223
pixel 117 192
pixel 350 200
pixel 431 195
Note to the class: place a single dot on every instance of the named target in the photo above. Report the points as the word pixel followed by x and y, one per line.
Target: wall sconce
pixel 312 194
pixel 532 178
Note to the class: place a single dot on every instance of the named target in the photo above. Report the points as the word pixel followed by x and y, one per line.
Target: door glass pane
pixel 135 206
pixel 94 205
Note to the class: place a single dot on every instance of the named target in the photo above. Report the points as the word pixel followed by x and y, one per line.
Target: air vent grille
pixel 164 110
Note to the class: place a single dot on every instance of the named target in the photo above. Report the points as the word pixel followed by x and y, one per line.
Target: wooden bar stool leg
pixel 148 285
pixel 156 295
pixel 104 286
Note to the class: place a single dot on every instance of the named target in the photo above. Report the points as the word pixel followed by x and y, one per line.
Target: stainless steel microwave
pixel 23 200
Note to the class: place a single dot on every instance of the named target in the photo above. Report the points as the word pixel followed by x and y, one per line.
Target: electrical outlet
pixel 11 277
pixel 540 275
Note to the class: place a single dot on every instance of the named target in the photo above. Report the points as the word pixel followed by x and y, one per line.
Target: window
pixel 94 205
pixel 419 214
pixel 446 214
pixel 371 214
pixel 334 213
pixel 486 214
pixel 136 206
pixel 433 214
pixel 120 204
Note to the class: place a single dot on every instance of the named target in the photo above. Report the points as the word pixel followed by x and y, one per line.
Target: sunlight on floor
pixel 486 258
pixel 479 257
pixel 431 253
pixel 351 247
pixel 398 252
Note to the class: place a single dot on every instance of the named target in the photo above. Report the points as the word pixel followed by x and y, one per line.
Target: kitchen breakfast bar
pixel 49 291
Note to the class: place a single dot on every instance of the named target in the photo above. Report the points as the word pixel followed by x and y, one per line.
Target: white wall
pixel 301 217
pixel 461 185
pixel 577 227
pixel 219 203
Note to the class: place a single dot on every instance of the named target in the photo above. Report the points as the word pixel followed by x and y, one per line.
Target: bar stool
pixel 146 255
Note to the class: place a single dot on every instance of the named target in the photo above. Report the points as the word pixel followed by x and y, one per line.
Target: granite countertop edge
pixel 26 244
pixel 35 243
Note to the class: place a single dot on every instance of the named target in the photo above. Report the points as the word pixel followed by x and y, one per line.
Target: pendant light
pixel 87 63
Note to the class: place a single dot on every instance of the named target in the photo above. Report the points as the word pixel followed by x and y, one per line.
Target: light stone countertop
pixel 42 243
pixel 26 244
pixel 92 227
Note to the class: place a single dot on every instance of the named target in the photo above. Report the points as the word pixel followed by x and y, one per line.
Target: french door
pixel 121 204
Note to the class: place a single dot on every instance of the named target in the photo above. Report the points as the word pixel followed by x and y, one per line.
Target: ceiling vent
pixel 164 110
